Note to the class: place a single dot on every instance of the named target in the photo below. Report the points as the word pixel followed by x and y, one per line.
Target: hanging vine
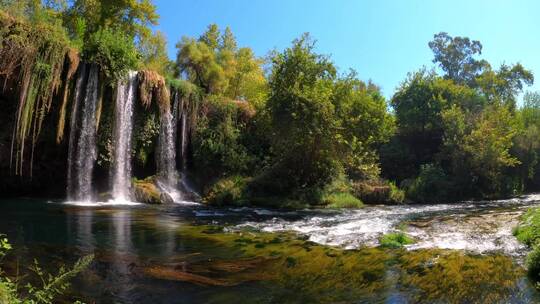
pixel 33 55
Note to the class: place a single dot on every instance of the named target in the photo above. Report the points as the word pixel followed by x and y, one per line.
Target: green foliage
pixel 321 124
pixel 528 230
pixel 395 240
pixel 51 285
pixel 455 55
pixel 113 51
pixel 397 195
pixel 342 200
pixel 154 54
pixel 227 191
pixel 533 263
pixel 378 192
pixel 145 136
pixel 479 152
pixel 133 18
pixel 218 66
pixel 432 185
pixel 216 140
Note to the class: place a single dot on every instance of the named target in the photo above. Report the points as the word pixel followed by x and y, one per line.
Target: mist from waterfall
pixel 82 151
pixel 122 138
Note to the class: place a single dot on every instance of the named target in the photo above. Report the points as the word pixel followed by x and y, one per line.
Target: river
pixel 190 253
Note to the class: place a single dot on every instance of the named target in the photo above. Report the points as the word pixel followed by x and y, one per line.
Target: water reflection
pixel 79 230
pixel 168 254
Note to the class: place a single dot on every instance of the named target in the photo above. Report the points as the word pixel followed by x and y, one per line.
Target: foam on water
pixel 474 226
pixel 101 204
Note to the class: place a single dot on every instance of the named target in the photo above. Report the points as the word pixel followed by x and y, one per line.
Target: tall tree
pixel 456 57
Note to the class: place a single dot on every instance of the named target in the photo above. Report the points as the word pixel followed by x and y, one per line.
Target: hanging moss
pixel 34 54
pixel 153 86
pixel 72 61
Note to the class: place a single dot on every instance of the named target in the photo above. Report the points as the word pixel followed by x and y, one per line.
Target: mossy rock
pixel 147 192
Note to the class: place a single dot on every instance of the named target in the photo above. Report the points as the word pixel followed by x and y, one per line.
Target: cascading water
pixel 123 127
pixel 166 154
pixel 170 181
pixel 82 138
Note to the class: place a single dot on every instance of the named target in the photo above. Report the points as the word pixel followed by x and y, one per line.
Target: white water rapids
pixel 478 227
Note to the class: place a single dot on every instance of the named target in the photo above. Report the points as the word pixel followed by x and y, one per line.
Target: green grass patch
pixel 343 200
pixel 528 230
pixel 395 240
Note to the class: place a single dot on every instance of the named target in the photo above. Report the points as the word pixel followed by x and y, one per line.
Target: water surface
pixel 180 253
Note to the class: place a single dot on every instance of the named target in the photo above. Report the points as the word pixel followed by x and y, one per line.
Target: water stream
pixel 166 154
pixel 123 128
pixel 82 152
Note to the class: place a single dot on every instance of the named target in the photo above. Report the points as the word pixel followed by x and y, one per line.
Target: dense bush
pixel 528 232
pixel 217 145
pixel 430 186
pixel 378 191
pixel 113 51
pixel 342 200
pixel 227 191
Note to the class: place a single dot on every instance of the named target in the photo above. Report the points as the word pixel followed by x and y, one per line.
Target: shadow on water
pixel 179 254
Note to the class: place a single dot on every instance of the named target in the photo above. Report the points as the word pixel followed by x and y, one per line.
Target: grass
pixel 343 200
pixel 395 240
pixel 528 230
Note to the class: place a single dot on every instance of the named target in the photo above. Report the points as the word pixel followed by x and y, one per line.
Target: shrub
pixel 430 186
pixel 217 145
pixel 113 51
pixel 15 292
pixel 227 191
pixel 533 263
pixel 395 240
pixel 396 195
pixel 342 200
pixel 378 191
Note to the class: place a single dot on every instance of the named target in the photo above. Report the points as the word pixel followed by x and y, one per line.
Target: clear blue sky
pixel 382 40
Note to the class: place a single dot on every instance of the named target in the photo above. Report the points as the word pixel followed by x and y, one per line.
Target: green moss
pixel 342 200
pixel 395 240
pixel 146 191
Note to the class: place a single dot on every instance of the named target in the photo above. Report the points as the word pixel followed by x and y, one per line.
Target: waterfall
pixel 183 138
pixel 166 152
pixel 82 152
pixel 123 127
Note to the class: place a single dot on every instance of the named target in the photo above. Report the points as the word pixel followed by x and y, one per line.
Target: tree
pixel 198 61
pixel 211 37
pixel 305 141
pixel 502 86
pixel 228 41
pixel 322 125
pixel 217 65
pixel 154 53
pixel 133 18
pixel 418 104
pixel 479 152
pixel 455 56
